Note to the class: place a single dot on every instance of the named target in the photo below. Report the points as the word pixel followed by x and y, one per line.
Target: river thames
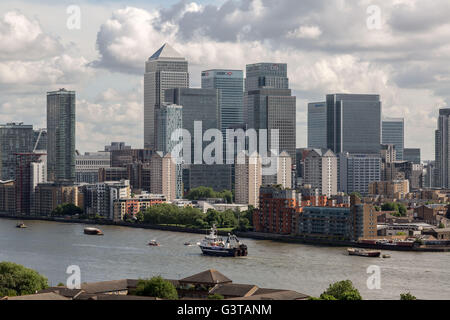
pixel 50 247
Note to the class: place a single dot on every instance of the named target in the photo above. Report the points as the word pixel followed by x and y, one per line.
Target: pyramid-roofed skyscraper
pixel 165 69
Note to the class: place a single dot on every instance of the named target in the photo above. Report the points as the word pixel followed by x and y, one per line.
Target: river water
pixel 50 247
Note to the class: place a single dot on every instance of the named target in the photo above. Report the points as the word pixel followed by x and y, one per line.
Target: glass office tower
pixel 198 105
pixel 231 86
pixel 61 136
pixel 354 123
pixel 393 132
pixel 269 104
pixel 169 119
pixel 14 138
pixel 166 69
pixel 317 125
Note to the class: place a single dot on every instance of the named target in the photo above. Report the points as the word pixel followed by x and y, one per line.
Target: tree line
pixel 168 214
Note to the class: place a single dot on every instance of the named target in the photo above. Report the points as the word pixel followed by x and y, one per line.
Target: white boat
pixel 212 245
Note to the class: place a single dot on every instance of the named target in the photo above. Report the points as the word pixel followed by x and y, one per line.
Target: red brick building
pixel 278 211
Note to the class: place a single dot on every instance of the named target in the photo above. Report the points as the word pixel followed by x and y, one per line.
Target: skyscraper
pixel 317 124
pixel 169 119
pixel 14 138
pixel 165 69
pixel 231 86
pixel 442 150
pixel 320 171
pixel 248 179
pixel 61 135
pixel 198 105
pixel 163 176
pixel 354 123
pixel 393 132
pixel 270 105
pixel 358 171
pixel 30 168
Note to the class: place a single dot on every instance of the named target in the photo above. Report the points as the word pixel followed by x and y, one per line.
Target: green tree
pixel 140 217
pixel 407 296
pixel 207 192
pixel 399 208
pixel 16 280
pixel 67 209
pixel 342 290
pixel 156 287
pixel 441 226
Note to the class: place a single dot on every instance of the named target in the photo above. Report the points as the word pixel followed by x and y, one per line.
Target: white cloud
pixel 23 38
pixel 305 32
pixel 326 44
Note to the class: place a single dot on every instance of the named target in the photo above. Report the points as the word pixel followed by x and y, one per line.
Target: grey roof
pixel 112 297
pixel 234 290
pixel 211 277
pixel 62 291
pixel 276 295
pixel 108 286
pixel 40 296
pixel 166 51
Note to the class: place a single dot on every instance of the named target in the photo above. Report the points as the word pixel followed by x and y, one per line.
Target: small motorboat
pixel 153 243
pixel 21 225
pixel 93 231
pixel 364 253
pixel 386 256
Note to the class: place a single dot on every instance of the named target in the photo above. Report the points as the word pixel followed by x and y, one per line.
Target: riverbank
pixel 248 235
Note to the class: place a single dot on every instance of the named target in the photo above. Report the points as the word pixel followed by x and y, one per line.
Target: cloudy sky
pixel 330 46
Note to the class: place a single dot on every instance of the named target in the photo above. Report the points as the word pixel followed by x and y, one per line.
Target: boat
pixel 212 245
pixel 364 253
pixel 386 256
pixel 153 243
pixel 93 231
pixel 21 225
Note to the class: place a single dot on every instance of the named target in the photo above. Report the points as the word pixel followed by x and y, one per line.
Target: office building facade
pixel 30 168
pixel 357 171
pixel 317 124
pixel 198 105
pixel 393 133
pixel 442 150
pixel 354 123
pixel 61 136
pixel 14 138
pixel 87 166
pixel 217 176
pixel 170 119
pixel 412 155
pixel 269 104
pixel 165 69
pixel 231 86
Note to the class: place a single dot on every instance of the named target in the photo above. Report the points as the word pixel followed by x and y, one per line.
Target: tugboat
pixel 93 231
pixel 21 225
pixel 212 245
pixel 364 253
pixel 153 243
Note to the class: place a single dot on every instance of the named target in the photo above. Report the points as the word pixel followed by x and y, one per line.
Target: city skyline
pixel 108 79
